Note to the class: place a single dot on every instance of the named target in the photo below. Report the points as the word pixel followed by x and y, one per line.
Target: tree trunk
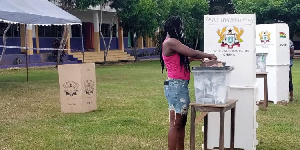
pixel 62 44
pixel 104 61
pixel 196 45
pixel 105 51
pixel 107 48
pixel 4 41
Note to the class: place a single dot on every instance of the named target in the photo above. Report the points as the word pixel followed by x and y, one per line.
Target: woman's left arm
pixel 194 59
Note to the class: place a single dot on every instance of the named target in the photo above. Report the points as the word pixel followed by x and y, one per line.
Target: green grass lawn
pixel 132 112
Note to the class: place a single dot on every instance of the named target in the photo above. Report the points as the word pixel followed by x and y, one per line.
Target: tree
pixel 191 12
pixel 70 5
pixel 163 11
pixel 4 41
pixel 198 10
pixel 138 17
pixel 221 7
pixel 111 25
pixel 272 11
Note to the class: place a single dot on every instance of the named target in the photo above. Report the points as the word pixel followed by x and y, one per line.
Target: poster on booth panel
pixel 232 39
pixel 265 38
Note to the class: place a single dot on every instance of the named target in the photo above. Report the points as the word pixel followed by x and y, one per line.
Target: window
pixel 106 32
pixel 13 31
pixel 76 30
pixel 50 31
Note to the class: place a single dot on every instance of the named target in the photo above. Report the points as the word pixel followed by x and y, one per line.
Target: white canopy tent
pixel 34 12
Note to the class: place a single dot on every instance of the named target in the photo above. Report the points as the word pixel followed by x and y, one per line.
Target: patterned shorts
pixel 177 94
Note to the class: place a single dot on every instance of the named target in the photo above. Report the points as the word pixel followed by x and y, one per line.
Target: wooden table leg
pixel 221 138
pixel 265 93
pixel 205 131
pixel 192 134
pixel 232 129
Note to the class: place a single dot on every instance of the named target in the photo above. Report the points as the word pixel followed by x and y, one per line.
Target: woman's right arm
pixel 182 49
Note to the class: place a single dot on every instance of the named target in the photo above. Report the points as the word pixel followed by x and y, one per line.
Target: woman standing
pixel 176 57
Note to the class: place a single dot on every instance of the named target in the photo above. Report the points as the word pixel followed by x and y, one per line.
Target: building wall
pixel 11 41
pixel 87 16
pixel 46 42
pixel 125 42
pixel 76 44
pixel 113 45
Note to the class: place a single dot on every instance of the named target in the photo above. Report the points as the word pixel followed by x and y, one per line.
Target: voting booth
pixel 231 38
pixel 273 40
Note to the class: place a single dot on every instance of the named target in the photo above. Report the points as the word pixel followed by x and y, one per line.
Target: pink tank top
pixel 174 69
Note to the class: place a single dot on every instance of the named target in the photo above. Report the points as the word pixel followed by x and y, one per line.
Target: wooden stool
pixel 222 108
pixel 265 76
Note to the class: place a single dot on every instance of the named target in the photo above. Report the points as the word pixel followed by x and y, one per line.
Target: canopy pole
pixel 82 46
pixel 26 51
pixel 4 41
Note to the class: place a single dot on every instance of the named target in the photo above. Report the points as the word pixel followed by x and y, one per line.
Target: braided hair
pixel 173 27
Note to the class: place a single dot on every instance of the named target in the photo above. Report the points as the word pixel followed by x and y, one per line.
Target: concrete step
pixel 113 55
pixel 102 57
pixel 111 51
pixel 93 61
pixel 100 54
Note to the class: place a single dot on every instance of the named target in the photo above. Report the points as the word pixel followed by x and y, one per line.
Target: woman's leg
pixel 181 132
pixel 177 95
pixel 173 131
pixel 177 131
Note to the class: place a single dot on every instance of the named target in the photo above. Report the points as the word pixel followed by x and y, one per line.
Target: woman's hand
pixel 212 57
